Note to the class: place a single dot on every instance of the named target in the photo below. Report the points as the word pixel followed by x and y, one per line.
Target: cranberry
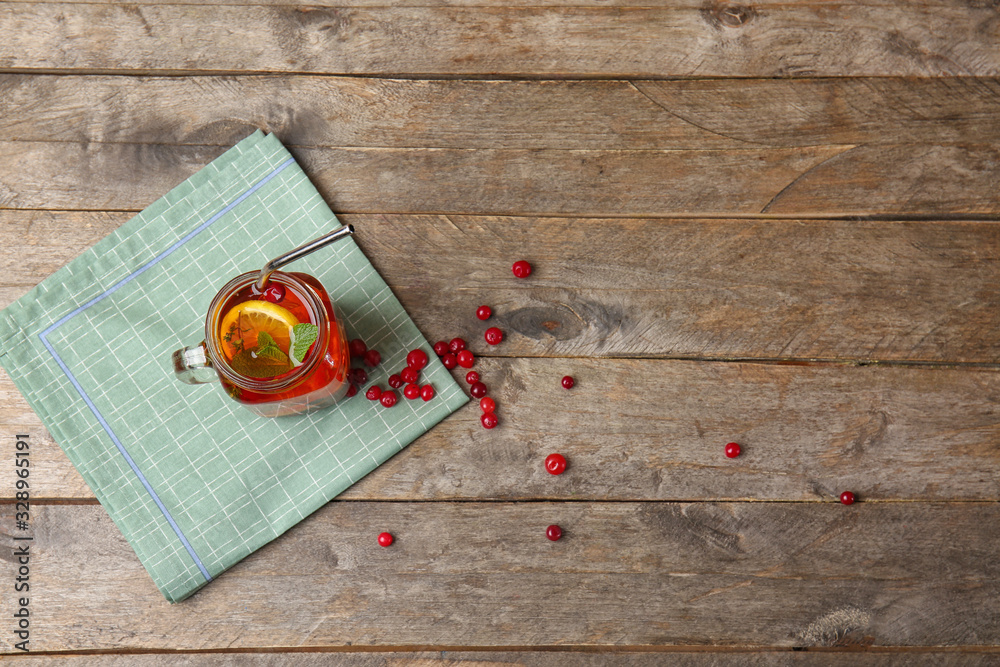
pixel 484 312
pixel 489 420
pixel 351 390
pixel 416 359
pixel 555 463
pixel 440 348
pixel 359 376
pixel 427 392
pixel 385 539
pixel 472 377
pixel 478 390
pixel 374 393
pixel 847 498
pixel 388 398
pixel 395 381
pixel 466 359
pixel 568 382
pixel 357 347
pixel 553 532
pixel 487 404
pixel 521 269
pixel 274 293
pixel 411 391
pixel 373 358
pixel 457 345
pixel 449 361
pixel 733 450
pixel 493 336
pixel 408 375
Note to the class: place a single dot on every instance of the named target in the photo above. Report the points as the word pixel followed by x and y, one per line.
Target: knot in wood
pixel 727 15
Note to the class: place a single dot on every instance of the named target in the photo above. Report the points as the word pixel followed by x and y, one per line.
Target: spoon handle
pixel 300 252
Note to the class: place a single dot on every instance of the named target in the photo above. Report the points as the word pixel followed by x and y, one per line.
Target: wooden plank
pixel 616 657
pixel 795 39
pixel 834 290
pixel 655 430
pixel 810 181
pixel 59 175
pixel 483 574
pixel 596 115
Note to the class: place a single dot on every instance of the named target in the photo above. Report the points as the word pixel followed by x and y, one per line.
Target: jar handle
pixel 192 365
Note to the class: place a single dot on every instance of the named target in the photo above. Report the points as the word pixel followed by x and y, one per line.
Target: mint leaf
pixel 264 340
pixel 303 335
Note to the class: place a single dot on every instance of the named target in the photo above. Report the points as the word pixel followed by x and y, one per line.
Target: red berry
pixel 733 450
pixel 456 345
pixel 351 390
pixel 568 382
pixel 489 420
pixel 374 393
pixel 274 293
pixel 416 359
pixel 847 498
pixel 408 375
pixel 472 377
pixel 411 391
pixel 553 532
pixel 493 336
pixel 357 347
pixel 385 539
pixel 395 381
pixel 440 348
pixel 487 404
pixel 466 359
pixel 521 269
pixel 388 398
pixel 358 376
pixel 478 390
pixel 449 361
pixel 555 463
pixel 373 358
pixel 484 312
pixel 427 392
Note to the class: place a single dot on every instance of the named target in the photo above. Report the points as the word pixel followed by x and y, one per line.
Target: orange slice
pixel 241 325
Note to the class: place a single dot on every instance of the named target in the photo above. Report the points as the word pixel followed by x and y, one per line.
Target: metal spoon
pixel 300 252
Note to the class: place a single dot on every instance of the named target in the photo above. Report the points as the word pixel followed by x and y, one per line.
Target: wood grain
pixel 866 291
pixel 810 181
pixel 717 39
pixel 568 657
pixel 570 115
pixel 655 430
pixel 771 574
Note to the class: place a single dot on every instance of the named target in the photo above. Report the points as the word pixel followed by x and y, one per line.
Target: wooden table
pixel 774 224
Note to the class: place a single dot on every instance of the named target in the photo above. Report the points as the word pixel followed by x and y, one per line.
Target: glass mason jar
pixel 319 380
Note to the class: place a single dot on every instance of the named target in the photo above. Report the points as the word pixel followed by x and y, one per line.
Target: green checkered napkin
pixel 193 480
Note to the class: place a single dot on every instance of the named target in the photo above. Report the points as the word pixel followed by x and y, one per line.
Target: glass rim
pixel 314 305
